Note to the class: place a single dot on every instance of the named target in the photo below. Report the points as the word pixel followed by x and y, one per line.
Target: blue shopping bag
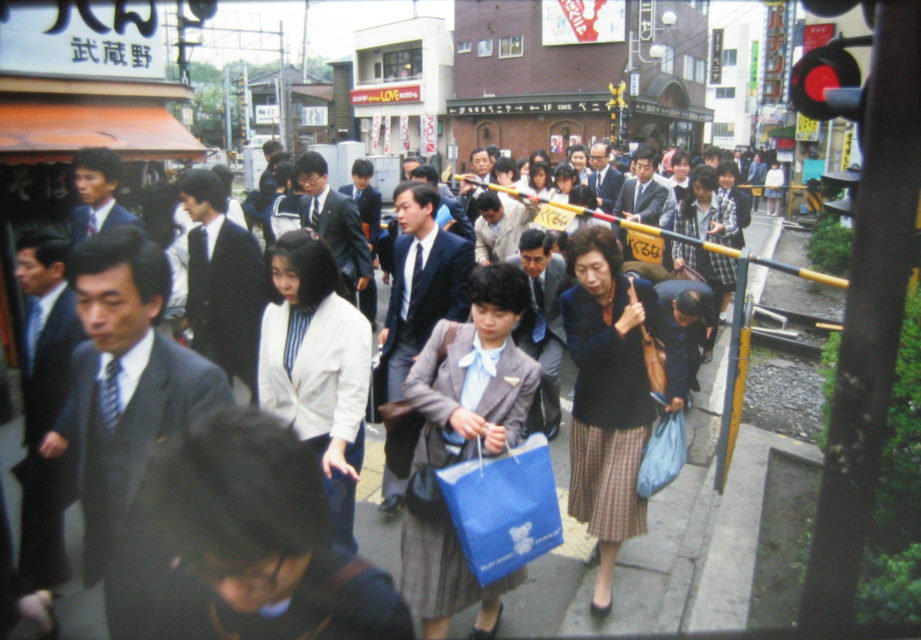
pixel 505 510
pixel 664 455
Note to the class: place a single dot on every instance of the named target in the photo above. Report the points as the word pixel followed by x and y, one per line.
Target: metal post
pixel 228 140
pixel 738 308
pixel 883 250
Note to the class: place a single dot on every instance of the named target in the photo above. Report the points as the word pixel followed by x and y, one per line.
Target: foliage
pixel 892 592
pixel 830 245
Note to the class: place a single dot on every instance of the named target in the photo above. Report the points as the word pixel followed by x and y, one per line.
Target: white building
pixel 734 97
pixel 403 75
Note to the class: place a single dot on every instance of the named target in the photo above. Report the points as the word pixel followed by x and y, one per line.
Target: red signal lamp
pixel 824 69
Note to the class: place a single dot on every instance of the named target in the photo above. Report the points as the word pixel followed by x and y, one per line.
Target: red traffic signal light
pixel 822 69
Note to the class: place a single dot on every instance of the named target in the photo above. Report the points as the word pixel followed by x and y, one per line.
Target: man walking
pixel 98 172
pixel 132 390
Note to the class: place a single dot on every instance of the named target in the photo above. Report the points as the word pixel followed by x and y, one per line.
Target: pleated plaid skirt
pixel 602 487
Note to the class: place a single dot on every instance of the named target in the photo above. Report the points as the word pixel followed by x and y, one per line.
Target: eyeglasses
pixel 309 178
pixel 217 575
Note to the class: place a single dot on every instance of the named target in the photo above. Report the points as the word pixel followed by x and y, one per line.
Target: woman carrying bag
pixel 314 364
pixel 482 389
pixel 612 409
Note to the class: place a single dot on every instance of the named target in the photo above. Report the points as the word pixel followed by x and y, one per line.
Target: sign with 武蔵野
pixel 112 39
pixel 388 95
pixel 582 21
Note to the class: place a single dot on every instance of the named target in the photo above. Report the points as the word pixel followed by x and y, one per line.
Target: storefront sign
pixel 429 131
pixel 753 71
pixel 775 53
pixel 716 57
pixel 266 114
pixel 583 21
pixel 389 95
pixel 846 148
pixel 807 129
pixel 817 35
pixel 112 39
pixel 594 106
pixel 671 112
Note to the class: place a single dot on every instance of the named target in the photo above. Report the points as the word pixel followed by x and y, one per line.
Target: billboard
pixel 117 38
pixel 583 21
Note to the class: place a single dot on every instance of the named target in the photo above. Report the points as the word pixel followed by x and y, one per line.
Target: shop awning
pixel 31 132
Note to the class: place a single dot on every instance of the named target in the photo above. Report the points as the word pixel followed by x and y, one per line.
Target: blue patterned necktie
pixel 35 329
pixel 111 411
pixel 315 217
pixel 540 325
pixel 92 227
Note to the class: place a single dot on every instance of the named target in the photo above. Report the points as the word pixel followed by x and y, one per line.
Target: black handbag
pixel 423 495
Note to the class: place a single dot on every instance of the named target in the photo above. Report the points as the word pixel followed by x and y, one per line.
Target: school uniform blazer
pixel 649 207
pixel 612 390
pixel 610 187
pixel 118 217
pixel 369 209
pixel 556 281
pixel 177 388
pixel 442 288
pixel 327 392
pixel 436 390
pixel 340 226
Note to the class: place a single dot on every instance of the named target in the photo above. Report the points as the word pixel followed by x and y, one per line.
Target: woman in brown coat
pixel 483 389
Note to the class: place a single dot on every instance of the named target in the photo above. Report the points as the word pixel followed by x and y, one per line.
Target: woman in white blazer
pixel 314 367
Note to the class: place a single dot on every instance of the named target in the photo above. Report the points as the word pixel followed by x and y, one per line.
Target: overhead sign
pixel 807 129
pixel 583 21
pixel 117 38
pixel 587 106
pixel 389 95
pixel 716 57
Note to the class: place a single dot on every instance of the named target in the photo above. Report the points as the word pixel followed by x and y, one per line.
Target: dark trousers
pixel 340 489
pixel 43 559
pixel 367 303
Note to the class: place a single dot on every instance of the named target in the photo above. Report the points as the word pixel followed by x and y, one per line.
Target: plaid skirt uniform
pixel 722 268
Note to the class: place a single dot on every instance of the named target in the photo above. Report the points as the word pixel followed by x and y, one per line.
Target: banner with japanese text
pixel 404 132
pixel 429 132
pixel 113 38
pixel 376 133
pixel 387 137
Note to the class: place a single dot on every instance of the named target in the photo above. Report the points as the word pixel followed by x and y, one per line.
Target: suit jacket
pixel 612 390
pixel 556 281
pixel 435 391
pixel 177 388
pixel 340 226
pixel 495 246
pixel 461 225
pixel 46 387
pixel 227 297
pixel 327 391
pixel 442 290
pixel 369 209
pixel 118 216
pixel 610 188
pixel 650 205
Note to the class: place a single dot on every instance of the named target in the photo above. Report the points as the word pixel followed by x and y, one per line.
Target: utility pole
pixel 304 42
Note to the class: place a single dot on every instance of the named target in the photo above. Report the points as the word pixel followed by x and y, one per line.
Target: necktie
pixel 110 404
pixel 93 226
pixel 357 195
pixel 539 332
pixel 598 184
pixel 204 239
pixel 315 216
pixel 417 275
pixel 35 328
pixel 639 195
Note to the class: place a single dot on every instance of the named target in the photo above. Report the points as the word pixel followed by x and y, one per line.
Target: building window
pixel 668 60
pixel 700 5
pixel 725 92
pixel 729 57
pixel 511 47
pixel 484 48
pixel 700 73
pixel 687 67
pixel 724 129
pixel 378 69
pixel 403 64
pixel 465 47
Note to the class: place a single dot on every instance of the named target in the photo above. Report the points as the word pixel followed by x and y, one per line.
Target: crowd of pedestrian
pixel 208 519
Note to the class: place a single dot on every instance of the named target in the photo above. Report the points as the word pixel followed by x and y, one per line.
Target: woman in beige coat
pixel 483 389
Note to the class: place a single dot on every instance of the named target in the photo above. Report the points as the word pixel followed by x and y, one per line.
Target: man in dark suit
pixel 51 334
pixel 368 200
pixel 429 284
pixel 540 333
pixel 132 390
pixel 642 198
pixel 605 180
pixel 450 215
pixel 98 172
pixel 335 217
pixel 228 288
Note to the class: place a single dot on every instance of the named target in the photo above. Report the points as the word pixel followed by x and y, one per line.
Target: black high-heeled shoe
pixel 599 613
pixel 479 634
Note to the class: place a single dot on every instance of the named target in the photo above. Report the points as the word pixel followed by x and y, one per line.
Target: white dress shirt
pixel 410 265
pixel 133 364
pixel 46 304
pixel 102 213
